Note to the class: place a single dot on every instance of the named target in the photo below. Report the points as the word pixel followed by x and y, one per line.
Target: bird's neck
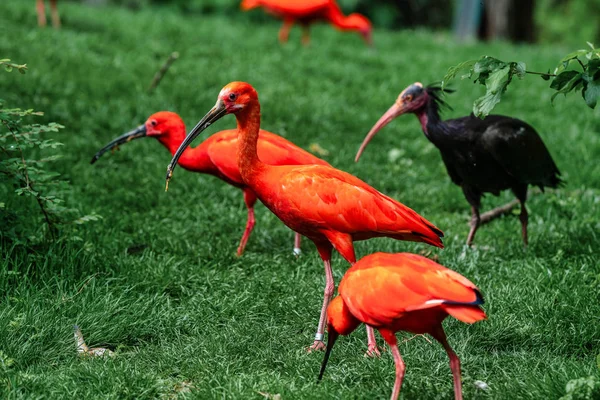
pixel 338 19
pixel 248 121
pixel 431 123
pixel 194 159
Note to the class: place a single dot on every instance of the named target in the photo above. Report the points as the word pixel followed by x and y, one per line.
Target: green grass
pixel 157 278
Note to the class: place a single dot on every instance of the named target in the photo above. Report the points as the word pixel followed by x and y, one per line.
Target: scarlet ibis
pixel 41 12
pixel 217 156
pixel 330 207
pixel 481 156
pixel 402 292
pixel 306 12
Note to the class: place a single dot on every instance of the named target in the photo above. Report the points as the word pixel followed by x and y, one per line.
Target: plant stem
pixel 539 73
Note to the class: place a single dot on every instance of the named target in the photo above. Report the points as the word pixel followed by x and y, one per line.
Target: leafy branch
pixel 25 173
pixel 8 66
pixel 577 70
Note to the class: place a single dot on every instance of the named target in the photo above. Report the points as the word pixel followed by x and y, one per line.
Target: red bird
pixel 402 292
pixel 306 12
pixel 217 156
pixel 330 207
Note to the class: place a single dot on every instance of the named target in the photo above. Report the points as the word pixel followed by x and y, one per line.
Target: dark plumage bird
pixel 481 155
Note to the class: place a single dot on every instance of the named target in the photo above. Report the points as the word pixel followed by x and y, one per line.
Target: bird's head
pixel 161 125
pixel 413 99
pixel 362 25
pixel 340 321
pixel 235 98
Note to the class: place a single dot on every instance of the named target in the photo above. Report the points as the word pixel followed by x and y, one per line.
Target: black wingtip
pixel 477 302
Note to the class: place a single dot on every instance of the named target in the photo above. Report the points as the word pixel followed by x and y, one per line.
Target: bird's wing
pixel 275 150
pixel 222 151
pixel 272 150
pixel 518 148
pixel 294 7
pixel 341 202
pixel 454 175
pixel 382 287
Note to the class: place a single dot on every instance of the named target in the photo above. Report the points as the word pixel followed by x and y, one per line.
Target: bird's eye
pixel 153 122
pixel 408 97
pixel 232 96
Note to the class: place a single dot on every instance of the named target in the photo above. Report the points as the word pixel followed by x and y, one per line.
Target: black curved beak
pixel 332 336
pixel 138 132
pixel 216 113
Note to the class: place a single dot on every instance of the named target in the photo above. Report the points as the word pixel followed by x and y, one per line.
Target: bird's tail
pixel 249 4
pixel 468 314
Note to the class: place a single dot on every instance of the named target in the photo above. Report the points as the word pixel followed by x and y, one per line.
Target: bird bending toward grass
pixel 481 155
pixel 402 292
pixel 330 207
pixel 217 156
pixel 306 12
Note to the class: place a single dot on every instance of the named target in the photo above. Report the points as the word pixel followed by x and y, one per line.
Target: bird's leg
pixel 475 221
pixel 41 12
pixel 498 212
pixel 390 338
pixel 521 193
pixel 297 239
pixel 249 199
pixel 305 35
pixel 524 217
pixel 55 15
pixel 325 253
pixel 284 32
pixel 318 344
pixel 373 350
pixel 440 336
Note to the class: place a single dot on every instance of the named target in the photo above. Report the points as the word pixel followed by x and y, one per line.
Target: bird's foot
pixel 318 345
pixel 373 351
pixel 297 251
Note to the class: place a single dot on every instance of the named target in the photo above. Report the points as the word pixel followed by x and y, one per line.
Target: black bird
pixel 481 155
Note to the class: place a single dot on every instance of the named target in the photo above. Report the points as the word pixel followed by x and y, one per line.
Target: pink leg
pixel 475 222
pixel 373 350
pixel 55 15
pixel 305 35
pixel 284 33
pixel 440 336
pixel 297 249
pixel 325 252
pixel 41 12
pixel 249 199
pixel 400 367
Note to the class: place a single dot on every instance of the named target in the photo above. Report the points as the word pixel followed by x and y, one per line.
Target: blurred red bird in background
pixel 217 156
pixel 330 207
pixel 306 12
pixel 402 292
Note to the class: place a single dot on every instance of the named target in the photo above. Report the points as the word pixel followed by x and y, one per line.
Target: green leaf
pixel 591 45
pixel 520 69
pixel 452 71
pixel 495 85
pixel 563 79
pixel 591 90
pixel 566 60
pixel 8 68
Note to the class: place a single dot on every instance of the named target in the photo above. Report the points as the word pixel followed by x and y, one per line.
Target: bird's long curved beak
pixel 397 109
pixel 217 112
pixel 138 132
pixel 332 336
